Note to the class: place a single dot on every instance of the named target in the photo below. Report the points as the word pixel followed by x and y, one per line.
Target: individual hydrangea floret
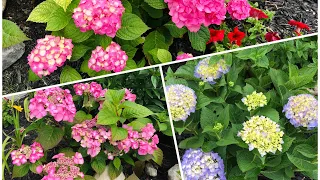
pixel 199 165
pixel 182 101
pixel 302 111
pixel 65 168
pixel 255 100
pixel 55 101
pixel 239 9
pixel 111 59
pixel 210 72
pixel 25 153
pixel 101 16
pixel 193 14
pixel 50 53
pixel 263 134
pixel 184 56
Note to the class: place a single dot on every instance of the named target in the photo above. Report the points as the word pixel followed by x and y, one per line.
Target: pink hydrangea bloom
pixel 63 169
pixel 50 53
pixel 101 16
pixel 25 153
pixel 93 89
pixel 239 9
pixel 55 101
pixel 184 56
pixel 130 96
pixel 111 59
pixel 194 13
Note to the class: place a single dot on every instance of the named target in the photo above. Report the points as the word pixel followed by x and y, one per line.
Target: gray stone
pixel 11 54
pixel 174 173
pixel 105 175
pixel 4 2
pixel 17 97
pixel 151 170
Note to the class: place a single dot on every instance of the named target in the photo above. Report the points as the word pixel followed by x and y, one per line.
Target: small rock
pixel 174 173
pixel 105 175
pixel 17 98
pixel 11 54
pixel 150 170
pixel 4 2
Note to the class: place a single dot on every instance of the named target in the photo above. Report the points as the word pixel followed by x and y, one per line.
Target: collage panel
pixel 251 114
pixel 48 42
pixel 110 128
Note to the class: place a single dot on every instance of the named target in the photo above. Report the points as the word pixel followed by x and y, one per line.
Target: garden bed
pixel 15 78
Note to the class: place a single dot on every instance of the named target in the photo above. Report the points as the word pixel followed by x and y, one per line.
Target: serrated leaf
pixel 130 51
pixel 306 150
pixel 63 3
pixel 157 4
pixel 245 160
pixel 11 34
pixel 69 74
pixel 20 171
pixel 74 33
pixel 108 115
pixel 118 133
pixel 154 40
pixel 154 13
pixel 164 55
pixel 113 171
pixel 49 136
pixel 139 123
pixel 43 12
pixel 132 27
pixel 270 113
pixel 199 39
pixel 115 96
pixel 81 116
pixel 32 76
pixel 117 162
pixel 174 30
pixel 98 165
pixel 58 20
pixel 207 118
pixel 78 51
pixel 302 164
pixel 158 156
pixel 133 110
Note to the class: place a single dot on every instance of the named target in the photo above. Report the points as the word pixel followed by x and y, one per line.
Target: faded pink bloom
pixel 25 153
pixel 130 96
pixel 93 89
pixel 111 59
pixel 39 169
pixel 148 131
pixel 50 53
pixel 101 16
pixel 184 56
pixel 239 9
pixel 77 158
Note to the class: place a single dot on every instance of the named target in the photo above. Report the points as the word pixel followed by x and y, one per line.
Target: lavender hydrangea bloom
pixel 182 101
pixel 302 110
pixel 210 72
pixel 198 165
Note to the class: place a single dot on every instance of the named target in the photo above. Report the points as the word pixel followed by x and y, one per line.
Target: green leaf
pixel 81 116
pixel 127 5
pixel 32 76
pixel 302 164
pixel 130 51
pixel 227 139
pixel 174 30
pixel 154 40
pixel 154 13
pixel 207 118
pixel 133 110
pixel 208 146
pixel 11 34
pixel 246 160
pixel 154 81
pixel 130 64
pixel 113 171
pixel 132 27
pixel 306 150
pixel 118 133
pixel 192 142
pixel 287 142
pixel 158 156
pixel 128 159
pixel 34 166
pixel 199 39
pixel 69 74
pixel 139 123
pixel 78 51
pixel 108 114
pixel 164 55
pixel 276 175
pixel 49 136
pixel 58 20
pixel 117 162
pixel 63 3
pixel 157 4
pixel 115 96
pixel 68 152
pixel 43 12
pixel 20 171
pixel 99 165
pixel 270 113
pixel 74 33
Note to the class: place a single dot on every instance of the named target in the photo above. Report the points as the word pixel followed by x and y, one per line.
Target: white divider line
pixel 171 123
pixel 164 64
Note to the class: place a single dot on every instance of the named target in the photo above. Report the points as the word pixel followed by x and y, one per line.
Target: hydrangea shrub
pixel 255 114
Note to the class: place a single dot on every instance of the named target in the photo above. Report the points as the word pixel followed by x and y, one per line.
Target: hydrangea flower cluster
pixel 197 164
pixel 25 153
pixel 302 110
pixel 193 14
pixel 210 72
pixel 65 168
pixel 111 59
pixel 50 53
pixel 91 136
pixel 101 16
pixel 94 89
pixel 254 100
pixel 55 101
pixel 239 9
pixel 184 56
pixel 263 134
pixel 182 101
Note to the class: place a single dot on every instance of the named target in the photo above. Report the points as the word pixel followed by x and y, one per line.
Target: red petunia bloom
pixel 236 36
pixel 257 13
pixel 299 26
pixel 215 36
pixel 272 36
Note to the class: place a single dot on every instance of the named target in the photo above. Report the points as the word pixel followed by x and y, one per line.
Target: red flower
pixel 236 36
pixel 299 26
pixel 257 13
pixel 272 36
pixel 215 36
